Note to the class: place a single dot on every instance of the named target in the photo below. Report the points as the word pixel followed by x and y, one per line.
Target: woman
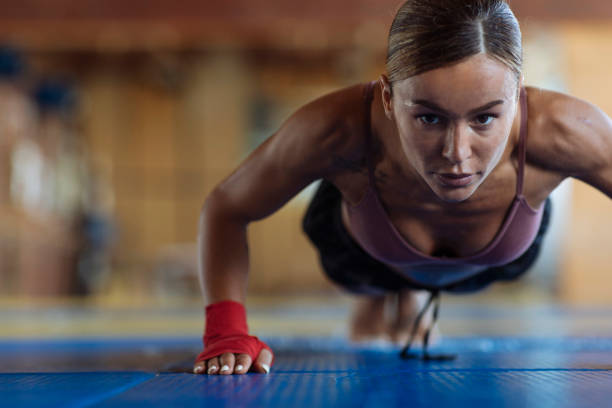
pixel 435 177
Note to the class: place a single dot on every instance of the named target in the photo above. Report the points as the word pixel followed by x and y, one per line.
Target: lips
pixel 455 180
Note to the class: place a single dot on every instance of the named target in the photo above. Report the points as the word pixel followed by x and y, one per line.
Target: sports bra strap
pixel 522 152
pixel 368 96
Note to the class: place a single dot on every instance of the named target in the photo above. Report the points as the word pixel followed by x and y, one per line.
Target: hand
pixel 230 363
pixel 228 347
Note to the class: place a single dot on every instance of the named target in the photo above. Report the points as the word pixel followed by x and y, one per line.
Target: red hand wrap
pixel 227 332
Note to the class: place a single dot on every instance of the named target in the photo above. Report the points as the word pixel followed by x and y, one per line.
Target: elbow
pixel 209 204
pixel 217 206
pixel 212 206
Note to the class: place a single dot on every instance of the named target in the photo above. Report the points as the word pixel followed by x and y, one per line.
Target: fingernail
pixel 225 368
pixel 212 369
pixel 266 368
pixel 198 369
pixel 239 367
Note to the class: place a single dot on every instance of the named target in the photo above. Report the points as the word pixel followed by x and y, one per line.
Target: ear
pixel 387 95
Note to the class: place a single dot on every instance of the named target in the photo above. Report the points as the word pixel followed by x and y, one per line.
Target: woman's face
pixel 454 122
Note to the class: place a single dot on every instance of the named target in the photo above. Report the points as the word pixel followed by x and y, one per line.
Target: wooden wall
pixel 165 146
pixel 166 126
pixel 586 275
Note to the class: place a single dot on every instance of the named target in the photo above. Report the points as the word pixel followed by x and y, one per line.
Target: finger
pixel 227 363
pixel 263 361
pixel 243 363
pixel 199 367
pixel 213 366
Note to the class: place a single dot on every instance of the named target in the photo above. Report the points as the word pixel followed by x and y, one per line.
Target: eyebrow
pixel 433 106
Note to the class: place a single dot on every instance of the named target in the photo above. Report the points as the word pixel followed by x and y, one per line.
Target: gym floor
pixel 510 353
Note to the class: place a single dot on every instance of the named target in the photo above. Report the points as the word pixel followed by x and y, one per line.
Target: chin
pixel 456 195
pixel 454 199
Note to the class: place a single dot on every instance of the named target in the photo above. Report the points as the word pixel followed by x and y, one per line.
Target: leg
pixel 368 318
pixel 390 317
pixel 409 304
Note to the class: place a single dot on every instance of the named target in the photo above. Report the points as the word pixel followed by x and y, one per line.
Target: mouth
pixel 455 180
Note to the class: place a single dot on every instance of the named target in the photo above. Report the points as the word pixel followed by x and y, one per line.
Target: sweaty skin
pixel 426 130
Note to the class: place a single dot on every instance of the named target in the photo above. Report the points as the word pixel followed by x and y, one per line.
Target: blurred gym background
pixel 118 117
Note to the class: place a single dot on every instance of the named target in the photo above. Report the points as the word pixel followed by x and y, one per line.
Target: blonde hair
pixel 430 34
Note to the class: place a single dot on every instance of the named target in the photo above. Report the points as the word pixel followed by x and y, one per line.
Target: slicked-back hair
pixel 431 34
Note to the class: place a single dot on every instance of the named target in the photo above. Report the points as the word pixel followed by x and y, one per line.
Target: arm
pixel 304 149
pixel 578 140
pixel 300 152
pixel 596 127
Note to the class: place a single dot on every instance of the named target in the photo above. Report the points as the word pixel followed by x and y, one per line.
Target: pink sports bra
pixel 374 232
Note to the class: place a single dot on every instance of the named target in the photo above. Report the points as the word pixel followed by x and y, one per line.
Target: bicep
pixel 261 184
pixel 299 153
pixel 598 153
pixel 581 144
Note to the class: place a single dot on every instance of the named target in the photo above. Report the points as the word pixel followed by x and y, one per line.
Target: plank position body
pixel 434 177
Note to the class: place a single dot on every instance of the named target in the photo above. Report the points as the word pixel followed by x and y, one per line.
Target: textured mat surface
pixel 64 389
pixel 428 388
pixel 507 372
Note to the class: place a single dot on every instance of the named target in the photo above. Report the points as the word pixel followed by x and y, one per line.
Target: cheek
pixel 419 144
pixel 414 141
pixel 421 153
pixel 497 137
pixel 494 148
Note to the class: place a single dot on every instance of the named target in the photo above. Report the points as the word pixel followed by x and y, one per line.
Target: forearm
pixel 224 255
pixel 224 270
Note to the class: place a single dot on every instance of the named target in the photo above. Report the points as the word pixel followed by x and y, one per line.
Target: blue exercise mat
pixel 505 372
pixel 64 389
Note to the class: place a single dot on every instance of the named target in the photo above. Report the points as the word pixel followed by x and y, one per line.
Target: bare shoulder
pixel 328 130
pixel 315 142
pixel 567 135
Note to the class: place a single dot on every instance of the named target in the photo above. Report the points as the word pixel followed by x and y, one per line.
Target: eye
pixel 430 119
pixel 484 120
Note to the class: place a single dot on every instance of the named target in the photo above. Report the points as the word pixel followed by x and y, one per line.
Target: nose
pixel 457 147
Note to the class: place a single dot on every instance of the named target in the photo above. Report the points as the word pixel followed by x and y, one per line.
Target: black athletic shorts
pixel 349 266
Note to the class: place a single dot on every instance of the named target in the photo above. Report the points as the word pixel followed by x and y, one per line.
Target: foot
pixel 368 319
